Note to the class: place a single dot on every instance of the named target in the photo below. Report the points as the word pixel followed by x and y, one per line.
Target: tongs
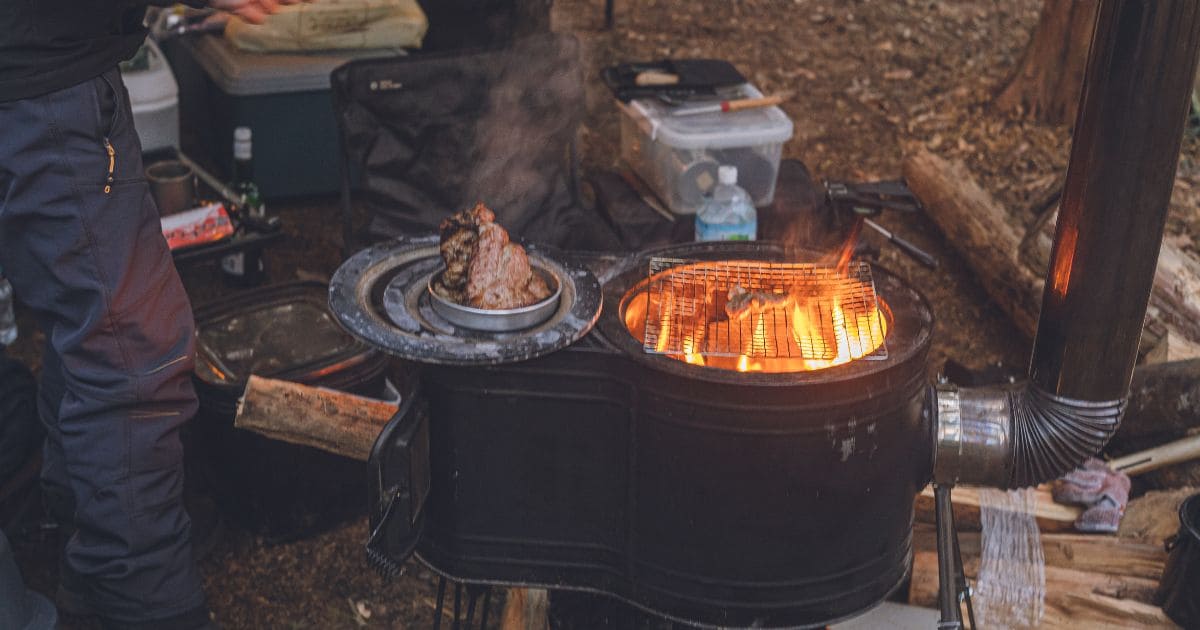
pixel 865 200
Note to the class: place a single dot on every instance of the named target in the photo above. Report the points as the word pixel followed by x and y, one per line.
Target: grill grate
pixel 781 310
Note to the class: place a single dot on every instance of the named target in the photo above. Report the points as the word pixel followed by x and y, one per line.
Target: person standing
pixel 81 243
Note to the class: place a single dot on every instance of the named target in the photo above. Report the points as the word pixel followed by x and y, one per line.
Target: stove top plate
pixel 380 296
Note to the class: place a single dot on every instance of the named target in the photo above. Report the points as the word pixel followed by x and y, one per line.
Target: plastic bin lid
pixel 718 130
pixel 240 73
pixel 155 84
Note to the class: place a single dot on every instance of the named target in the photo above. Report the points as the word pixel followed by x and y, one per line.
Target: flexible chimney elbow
pixel 1016 436
pixel 1128 130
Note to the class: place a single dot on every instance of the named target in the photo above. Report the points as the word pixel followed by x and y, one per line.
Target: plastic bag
pixel 333 25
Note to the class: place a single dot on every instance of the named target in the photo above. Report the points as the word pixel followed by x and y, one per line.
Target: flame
pixel 846 252
pixel 664 324
pixel 853 338
pixel 816 319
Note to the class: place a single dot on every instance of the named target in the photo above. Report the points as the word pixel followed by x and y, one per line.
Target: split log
pixel 980 230
pixel 322 418
pixel 1060 581
pixel 1083 610
pixel 1074 599
pixel 1049 77
pixel 1090 553
pixel 1051 516
pixel 526 609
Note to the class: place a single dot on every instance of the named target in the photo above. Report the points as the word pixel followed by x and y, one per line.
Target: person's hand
pixel 252 11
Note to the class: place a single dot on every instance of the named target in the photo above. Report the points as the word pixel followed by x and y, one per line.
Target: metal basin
pixel 499 320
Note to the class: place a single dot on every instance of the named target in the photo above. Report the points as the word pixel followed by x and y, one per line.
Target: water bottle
pixel 8 320
pixel 727 214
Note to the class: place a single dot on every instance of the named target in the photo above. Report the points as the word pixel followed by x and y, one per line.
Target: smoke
pixel 519 165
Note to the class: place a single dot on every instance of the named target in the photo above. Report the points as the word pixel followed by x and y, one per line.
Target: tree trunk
pixel 1048 79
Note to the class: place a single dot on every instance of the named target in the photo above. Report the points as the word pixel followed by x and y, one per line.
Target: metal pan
pixel 499 320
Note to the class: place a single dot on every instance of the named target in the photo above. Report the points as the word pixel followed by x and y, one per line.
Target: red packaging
pixel 205 224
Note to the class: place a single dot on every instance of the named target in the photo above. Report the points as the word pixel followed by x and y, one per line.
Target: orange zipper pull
pixel 112 163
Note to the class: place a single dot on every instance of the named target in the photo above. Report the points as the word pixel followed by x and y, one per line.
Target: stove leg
pixel 960 583
pixel 487 606
pixel 952 581
pixel 458 587
pixel 473 594
pixel 441 602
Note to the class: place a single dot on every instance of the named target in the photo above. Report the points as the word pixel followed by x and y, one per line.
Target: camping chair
pixel 428 135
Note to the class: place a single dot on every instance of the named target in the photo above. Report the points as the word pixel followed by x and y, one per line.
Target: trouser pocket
pixel 111 105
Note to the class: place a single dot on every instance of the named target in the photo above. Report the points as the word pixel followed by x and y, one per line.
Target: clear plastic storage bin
pixel 678 156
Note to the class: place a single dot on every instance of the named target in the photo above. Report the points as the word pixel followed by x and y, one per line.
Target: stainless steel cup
pixel 173 186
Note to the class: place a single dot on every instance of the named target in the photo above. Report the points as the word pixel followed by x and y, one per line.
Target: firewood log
pixel 1074 599
pixel 1091 553
pixel 322 418
pixel 526 609
pixel 1051 516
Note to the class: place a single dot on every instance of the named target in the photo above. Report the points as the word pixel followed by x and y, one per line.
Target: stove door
pixel 399 485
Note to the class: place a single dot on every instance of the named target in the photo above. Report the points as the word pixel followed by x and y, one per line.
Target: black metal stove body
pixel 707 496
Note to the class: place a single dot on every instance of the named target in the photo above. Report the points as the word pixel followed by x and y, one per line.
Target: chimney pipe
pixel 1128 130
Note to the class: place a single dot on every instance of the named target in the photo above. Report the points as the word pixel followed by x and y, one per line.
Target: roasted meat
pixel 459 240
pixel 483 268
pixel 742 303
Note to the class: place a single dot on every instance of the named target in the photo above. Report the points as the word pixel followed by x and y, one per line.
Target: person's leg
pixel 19 606
pixel 56 483
pixel 85 251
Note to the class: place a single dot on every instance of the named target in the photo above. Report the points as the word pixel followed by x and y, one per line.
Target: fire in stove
pixel 758 316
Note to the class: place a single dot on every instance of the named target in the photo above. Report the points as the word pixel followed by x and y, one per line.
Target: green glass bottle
pixel 245 268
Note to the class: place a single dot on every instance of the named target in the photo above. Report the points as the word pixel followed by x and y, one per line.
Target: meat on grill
pixel 483 268
pixel 742 303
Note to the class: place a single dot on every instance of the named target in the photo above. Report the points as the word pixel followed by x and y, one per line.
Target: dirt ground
pixel 864 77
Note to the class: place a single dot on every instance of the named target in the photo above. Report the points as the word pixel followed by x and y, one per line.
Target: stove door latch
pixel 399 485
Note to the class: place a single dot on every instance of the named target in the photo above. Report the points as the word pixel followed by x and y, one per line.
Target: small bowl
pixel 498 320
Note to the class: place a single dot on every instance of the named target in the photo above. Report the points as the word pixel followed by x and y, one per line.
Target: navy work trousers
pixel 81 243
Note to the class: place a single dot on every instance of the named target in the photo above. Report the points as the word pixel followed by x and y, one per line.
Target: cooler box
pixel 154 96
pixel 282 97
pixel 678 156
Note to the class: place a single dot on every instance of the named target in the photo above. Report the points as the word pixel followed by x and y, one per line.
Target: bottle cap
pixel 241 143
pixel 727 175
